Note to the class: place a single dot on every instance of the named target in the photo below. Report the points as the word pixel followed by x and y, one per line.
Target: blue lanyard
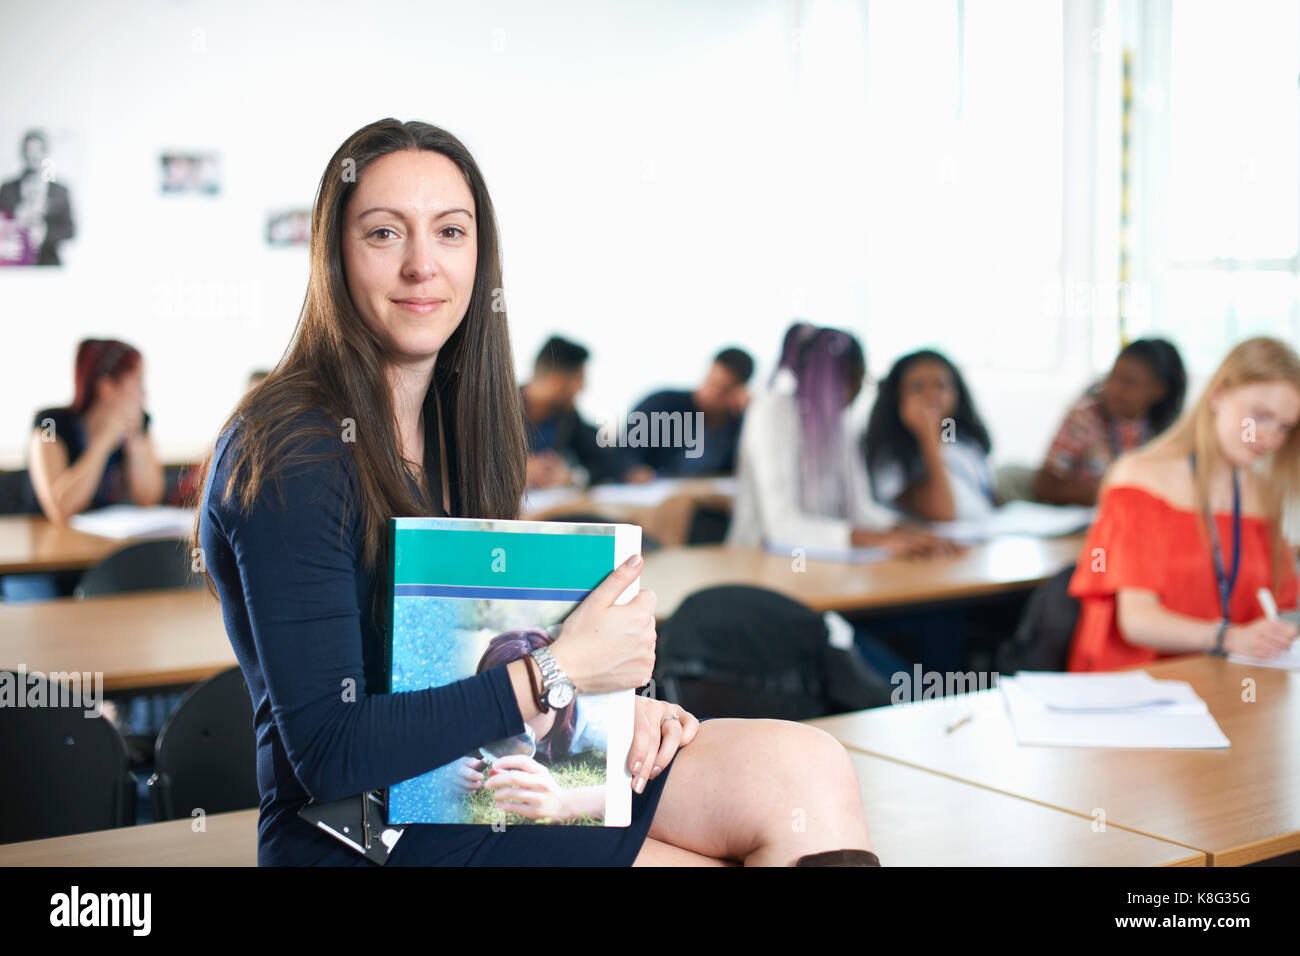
pixel 1225 582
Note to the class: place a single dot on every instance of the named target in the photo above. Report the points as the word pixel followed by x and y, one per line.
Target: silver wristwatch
pixel 557 690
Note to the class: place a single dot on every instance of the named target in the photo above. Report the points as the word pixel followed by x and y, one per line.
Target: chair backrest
pixel 141 566
pixel 17 497
pixel 61 771
pixel 1041 641
pixel 206 755
pixel 1015 483
pixel 739 651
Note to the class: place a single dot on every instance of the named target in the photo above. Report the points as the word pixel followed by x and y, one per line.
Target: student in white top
pixel 927 444
pixel 801 480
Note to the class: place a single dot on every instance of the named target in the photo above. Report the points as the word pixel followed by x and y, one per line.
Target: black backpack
pixel 1042 639
pixel 737 651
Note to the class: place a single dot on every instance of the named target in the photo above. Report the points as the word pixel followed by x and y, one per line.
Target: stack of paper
pixel 1128 710
pixel 1027 518
pixel 131 521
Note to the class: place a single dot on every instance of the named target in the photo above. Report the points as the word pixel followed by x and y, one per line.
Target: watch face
pixel 560 695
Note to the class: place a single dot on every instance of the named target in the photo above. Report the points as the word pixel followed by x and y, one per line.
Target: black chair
pixel 206 756
pixel 1041 641
pixel 142 566
pixel 709 526
pixel 63 771
pixel 739 651
pixel 17 497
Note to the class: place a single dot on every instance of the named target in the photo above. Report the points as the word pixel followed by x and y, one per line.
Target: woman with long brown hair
pixel 397 397
pixel 1192 526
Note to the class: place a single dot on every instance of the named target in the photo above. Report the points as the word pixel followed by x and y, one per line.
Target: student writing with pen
pixel 1190 527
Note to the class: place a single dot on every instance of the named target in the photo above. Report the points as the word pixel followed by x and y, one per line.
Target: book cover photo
pixel 471 594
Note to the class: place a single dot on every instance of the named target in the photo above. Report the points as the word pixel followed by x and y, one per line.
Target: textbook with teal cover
pixel 470 594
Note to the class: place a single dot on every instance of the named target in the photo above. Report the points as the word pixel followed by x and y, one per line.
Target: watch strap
pixel 534 682
pixel 1218 649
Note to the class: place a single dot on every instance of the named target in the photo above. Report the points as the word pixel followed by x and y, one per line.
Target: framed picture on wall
pixel 193 173
pixel 36 218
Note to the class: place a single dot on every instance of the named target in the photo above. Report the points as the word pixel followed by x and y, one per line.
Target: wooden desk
pixel 140 640
pixel 30 544
pixel 667 520
pixel 924 819
pixel 1238 805
pixel 995 567
pixel 229 839
pixel 916 819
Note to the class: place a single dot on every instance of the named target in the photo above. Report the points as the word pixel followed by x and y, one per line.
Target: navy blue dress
pixel 297 603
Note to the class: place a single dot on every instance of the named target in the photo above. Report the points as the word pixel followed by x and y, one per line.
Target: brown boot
pixel 839 858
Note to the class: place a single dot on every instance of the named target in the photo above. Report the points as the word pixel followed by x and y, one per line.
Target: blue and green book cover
pixel 472 594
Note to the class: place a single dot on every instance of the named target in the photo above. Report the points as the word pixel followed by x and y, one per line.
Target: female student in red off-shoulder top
pixel 1147 579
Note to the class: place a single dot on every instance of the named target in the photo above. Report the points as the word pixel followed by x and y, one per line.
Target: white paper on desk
pixel 840 555
pixel 1287 661
pixel 1182 726
pixel 645 494
pixel 1093 693
pixel 132 521
pixel 543 499
pixel 1025 518
pixel 648 494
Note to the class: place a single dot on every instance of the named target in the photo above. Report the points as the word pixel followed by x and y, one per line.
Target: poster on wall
pixel 288 227
pixel 36 217
pixel 191 173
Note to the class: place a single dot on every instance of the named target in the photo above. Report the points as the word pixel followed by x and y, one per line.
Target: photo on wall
pixel 288 227
pixel 36 219
pixel 193 173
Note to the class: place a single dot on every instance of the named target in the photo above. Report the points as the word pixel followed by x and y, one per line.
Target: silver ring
pixel 672 716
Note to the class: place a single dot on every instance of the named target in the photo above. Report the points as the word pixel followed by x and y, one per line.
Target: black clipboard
pixel 359 822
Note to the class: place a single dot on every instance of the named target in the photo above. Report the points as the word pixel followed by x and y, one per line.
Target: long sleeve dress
pixel 297 603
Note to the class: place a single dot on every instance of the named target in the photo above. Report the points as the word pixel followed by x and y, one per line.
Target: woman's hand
pixel 658 731
pixel 1260 638
pixel 546 469
pixel 469 773
pixel 521 785
pixel 911 543
pixel 605 646
pixel 921 418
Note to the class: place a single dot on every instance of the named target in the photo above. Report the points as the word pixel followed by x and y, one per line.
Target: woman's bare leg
pixel 761 791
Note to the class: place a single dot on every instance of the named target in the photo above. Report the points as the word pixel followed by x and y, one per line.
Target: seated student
pixel 97 451
pixel 1156 578
pixel 404 338
pixel 561 445
pixel 94 452
pixel 720 399
pixel 1139 399
pixel 800 482
pixel 927 444
pixel 793 340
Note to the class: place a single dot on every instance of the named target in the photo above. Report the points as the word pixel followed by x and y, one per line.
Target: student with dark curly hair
pixel 926 443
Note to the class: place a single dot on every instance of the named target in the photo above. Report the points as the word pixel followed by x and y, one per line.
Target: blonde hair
pixel 1255 361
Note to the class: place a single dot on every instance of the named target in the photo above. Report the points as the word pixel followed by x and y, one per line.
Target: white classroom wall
pixel 670 177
